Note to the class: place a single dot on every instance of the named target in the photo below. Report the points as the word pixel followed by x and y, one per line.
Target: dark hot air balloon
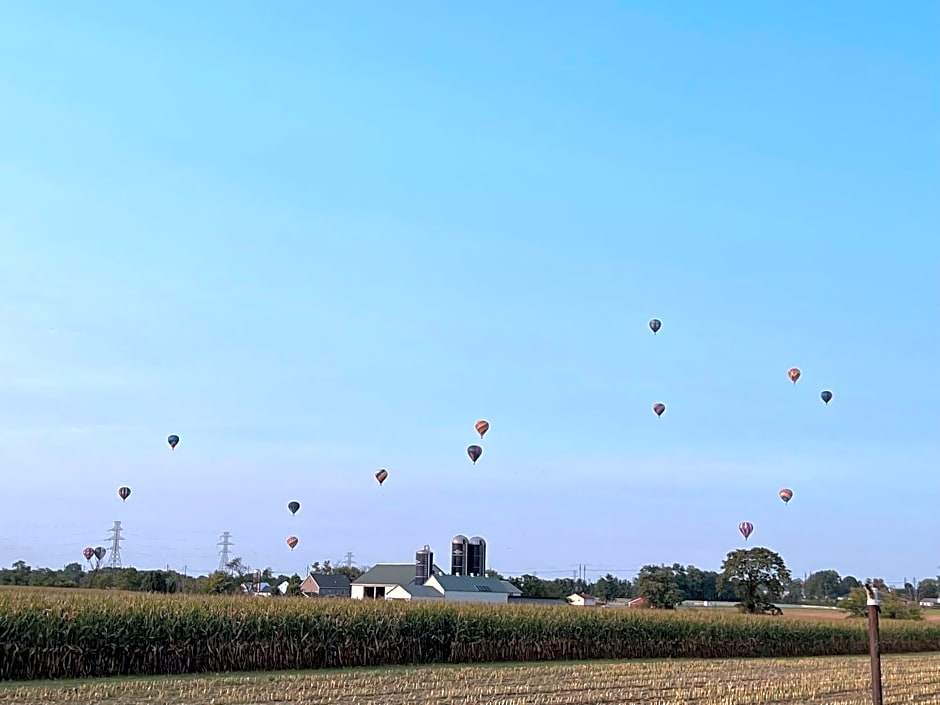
pixel 474 452
pixel 293 507
pixel 292 541
pixel 794 374
pixel 659 408
pixel 99 552
pixel 482 426
pixel 124 493
pixel 89 553
pixel 745 527
pixel 655 325
pixel 826 396
pixel 786 495
pixel 381 475
pixel 173 440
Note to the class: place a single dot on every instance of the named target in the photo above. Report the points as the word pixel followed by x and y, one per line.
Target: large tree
pixel 659 586
pixel 823 585
pixel 758 576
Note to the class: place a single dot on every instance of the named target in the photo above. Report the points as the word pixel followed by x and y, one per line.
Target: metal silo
pixel 476 556
pixel 424 559
pixel 458 555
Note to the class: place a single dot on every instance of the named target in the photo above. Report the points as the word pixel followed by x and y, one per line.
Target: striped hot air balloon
pixel 659 408
pixel 786 495
pixel 482 426
pixel 381 475
pixel 745 527
pixel 292 541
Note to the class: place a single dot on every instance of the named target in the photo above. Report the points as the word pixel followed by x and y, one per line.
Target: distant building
pixel 456 588
pixel 321 585
pixel 929 602
pixel 378 581
pixel 582 599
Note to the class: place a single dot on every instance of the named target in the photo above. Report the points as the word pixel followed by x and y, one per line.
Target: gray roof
pixel 330 581
pixel 387 574
pixel 421 591
pixel 470 583
pixel 513 590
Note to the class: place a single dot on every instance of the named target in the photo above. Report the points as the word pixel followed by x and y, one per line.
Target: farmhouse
pixel 582 599
pixel 321 585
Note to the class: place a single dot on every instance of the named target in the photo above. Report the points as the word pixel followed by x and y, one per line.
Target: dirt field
pixel 824 681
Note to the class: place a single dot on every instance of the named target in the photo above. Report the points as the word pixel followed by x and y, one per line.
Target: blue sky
pixel 320 240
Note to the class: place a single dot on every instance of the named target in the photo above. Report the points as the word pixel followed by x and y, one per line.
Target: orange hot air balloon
pixel 794 374
pixel 786 495
pixel 292 541
pixel 482 426
pixel 381 475
pixel 659 408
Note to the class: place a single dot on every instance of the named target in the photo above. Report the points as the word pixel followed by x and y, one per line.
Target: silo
pixel 458 555
pixel 476 556
pixel 424 559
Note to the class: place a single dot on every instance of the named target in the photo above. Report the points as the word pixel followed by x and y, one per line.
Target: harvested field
pixel 825 681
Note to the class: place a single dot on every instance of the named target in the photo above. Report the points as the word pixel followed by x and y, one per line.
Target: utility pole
pixel 115 560
pixel 224 554
pixel 874 642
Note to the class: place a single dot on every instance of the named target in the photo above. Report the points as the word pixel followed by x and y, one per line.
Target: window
pixel 483 588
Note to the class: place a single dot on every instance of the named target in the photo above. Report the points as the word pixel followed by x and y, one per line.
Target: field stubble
pixel 824 681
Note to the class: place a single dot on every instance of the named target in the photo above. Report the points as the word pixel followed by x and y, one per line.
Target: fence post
pixel 874 641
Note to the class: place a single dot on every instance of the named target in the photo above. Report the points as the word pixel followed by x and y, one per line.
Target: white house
pixel 379 580
pixel 582 599
pixel 929 602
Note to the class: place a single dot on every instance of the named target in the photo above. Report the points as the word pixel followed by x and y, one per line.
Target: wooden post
pixel 874 642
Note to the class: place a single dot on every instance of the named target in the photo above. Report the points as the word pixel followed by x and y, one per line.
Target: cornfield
pixel 44 636
pixel 829 681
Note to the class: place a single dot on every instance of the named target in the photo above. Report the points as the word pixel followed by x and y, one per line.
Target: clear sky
pixel 315 240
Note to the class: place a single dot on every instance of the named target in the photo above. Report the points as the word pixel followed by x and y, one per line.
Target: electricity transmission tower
pixel 348 558
pixel 115 560
pixel 224 553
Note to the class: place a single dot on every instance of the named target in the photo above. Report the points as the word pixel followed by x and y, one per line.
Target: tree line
pixel 660 586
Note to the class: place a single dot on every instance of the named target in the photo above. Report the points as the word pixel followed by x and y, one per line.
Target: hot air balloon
pixel 786 495
pixel 124 493
pixel 474 452
pixel 173 440
pixel 99 552
pixel 89 553
pixel 482 426
pixel 659 408
pixel 381 475
pixel 794 374
pixel 293 507
pixel 655 325
pixel 745 527
pixel 292 541
pixel 826 396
